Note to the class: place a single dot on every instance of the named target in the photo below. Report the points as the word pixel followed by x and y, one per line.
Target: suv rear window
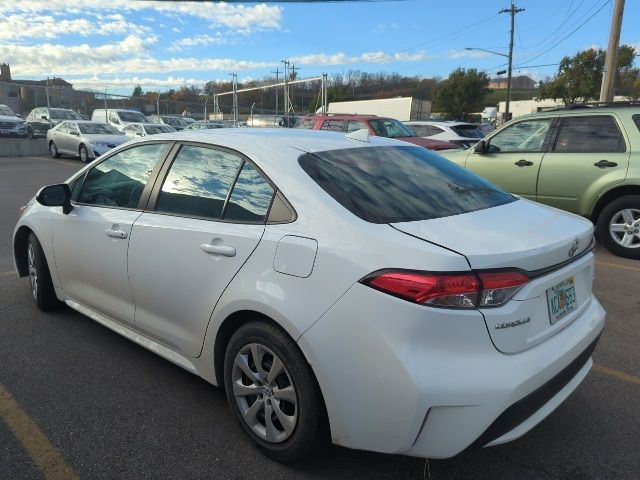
pixel 400 184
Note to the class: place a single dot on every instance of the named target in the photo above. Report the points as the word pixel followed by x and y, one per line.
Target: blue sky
pixel 163 45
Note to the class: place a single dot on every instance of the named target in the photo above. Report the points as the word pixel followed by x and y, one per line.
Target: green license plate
pixel 561 299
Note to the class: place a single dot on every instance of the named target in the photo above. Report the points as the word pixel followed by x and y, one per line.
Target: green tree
pixel 579 78
pixel 461 94
pixel 137 91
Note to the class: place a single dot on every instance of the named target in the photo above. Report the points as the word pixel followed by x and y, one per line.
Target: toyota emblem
pixel 574 248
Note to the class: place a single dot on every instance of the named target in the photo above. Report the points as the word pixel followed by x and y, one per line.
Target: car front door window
pixel 524 136
pixel 119 180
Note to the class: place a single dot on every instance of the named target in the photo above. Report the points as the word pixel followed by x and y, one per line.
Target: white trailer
pixel 401 108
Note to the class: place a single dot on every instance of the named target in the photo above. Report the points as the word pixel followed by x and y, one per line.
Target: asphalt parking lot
pixel 79 401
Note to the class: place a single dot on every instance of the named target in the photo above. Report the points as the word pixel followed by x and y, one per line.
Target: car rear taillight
pixel 451 290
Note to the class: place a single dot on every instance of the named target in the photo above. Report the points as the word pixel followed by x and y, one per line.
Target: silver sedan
pixel 136 130
pixel 84 139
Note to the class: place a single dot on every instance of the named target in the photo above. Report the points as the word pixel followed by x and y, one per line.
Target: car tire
pixel 84 154
pixel 53 150
pixel 618 226
pixel 253 396
pixel 39 276
pixel 30 133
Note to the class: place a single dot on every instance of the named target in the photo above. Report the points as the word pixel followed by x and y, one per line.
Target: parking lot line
pixel 615 265
pixel 617 374
pixel 49 461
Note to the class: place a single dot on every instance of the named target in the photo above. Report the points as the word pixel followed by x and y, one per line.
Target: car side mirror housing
pixel 481 147
pixel 56 196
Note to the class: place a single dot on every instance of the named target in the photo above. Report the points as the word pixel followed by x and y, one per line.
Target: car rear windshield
pixel 64 114
pixel 131 116
pixel 155 129
pixel 468 131
pixel 98 128
pixel 6 111
pixel 400 184
pixel 391 128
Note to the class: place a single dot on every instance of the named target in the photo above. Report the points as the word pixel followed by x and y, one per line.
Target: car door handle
pixel 605 164
pixel 523 163
pixel 116 233
pixel 224 250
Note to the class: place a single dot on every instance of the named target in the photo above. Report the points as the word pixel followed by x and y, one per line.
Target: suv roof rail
pixel 577 106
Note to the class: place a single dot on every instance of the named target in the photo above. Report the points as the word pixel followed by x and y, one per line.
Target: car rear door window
pixel 119 180
pixel 333 125
pixel 400 184
pixel 591 134
pixel 524 136
pixel 250 198
pixel 354 125
pixel 435 130
pixel 198 182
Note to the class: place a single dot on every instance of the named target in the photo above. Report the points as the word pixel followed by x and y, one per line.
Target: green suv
pixel 583 159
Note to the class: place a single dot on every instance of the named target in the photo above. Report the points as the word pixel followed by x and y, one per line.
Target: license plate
pixel 561 299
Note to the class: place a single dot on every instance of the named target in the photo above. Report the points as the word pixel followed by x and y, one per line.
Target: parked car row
pixel 11 125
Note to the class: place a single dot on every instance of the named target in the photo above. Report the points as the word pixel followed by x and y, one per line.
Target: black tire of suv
pixel 604 219
pixel 311 431
pixel 45 294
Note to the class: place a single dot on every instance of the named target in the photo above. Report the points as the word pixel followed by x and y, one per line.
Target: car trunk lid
pixel 551 246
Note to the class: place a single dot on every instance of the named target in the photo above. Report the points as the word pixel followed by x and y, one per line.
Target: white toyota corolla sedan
pixel 338 286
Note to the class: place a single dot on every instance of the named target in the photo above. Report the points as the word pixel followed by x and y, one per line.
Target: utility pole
pixel 513 10
pixel 286 89
pixel 611 60
pixel 277 72
pixel 235 98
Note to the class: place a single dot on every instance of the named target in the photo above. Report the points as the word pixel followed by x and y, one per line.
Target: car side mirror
pixel 56 196
pixel 481 147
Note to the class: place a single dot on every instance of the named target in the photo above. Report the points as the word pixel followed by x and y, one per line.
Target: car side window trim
pixel 144 196
pixel 152 201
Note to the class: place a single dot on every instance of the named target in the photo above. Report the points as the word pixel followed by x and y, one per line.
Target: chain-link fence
pixel 253 105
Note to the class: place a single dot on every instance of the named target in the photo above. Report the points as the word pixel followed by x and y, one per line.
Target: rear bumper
pixel 407 379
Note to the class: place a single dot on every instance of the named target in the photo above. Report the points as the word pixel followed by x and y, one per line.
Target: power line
pixel 566 36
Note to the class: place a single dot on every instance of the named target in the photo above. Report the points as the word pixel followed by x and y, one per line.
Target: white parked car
pixel 331 283
pixel 118 117
pixel 460 133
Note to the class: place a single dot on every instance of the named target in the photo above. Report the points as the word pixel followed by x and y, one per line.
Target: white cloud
pixel 130 55
pixel 241 18
pixel 320 59
pixel 468 54
pixel 197 41
pixel 21 26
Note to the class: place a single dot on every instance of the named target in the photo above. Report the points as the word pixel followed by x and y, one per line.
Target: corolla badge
pixel 574 248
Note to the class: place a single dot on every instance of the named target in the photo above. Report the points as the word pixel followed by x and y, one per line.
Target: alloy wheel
pixel 53 149
pixel 33 271
pixel 84 155
pixel 624 228
pixel 265 393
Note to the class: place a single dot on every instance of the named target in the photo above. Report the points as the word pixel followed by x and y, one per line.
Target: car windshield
pixel 173 121
pixel 6 111
pixel 400 184
pixel 468 131
pixel 60 114
pixel 132 117
pixel 97 128
pixel 155 129
pixel 390 128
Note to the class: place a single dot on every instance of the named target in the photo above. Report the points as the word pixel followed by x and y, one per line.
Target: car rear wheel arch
pixel 610 196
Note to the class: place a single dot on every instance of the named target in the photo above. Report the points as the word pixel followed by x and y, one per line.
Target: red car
pixel 378 126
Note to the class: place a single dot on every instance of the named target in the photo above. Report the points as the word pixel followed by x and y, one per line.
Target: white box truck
pixel 404 109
